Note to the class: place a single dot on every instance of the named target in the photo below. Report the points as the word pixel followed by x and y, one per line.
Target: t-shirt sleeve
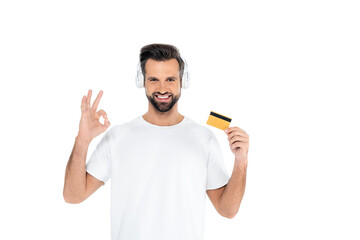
pixel 99 164
pixel 217 175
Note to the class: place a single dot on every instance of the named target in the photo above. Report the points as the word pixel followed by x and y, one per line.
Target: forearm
pixel 234 191
pixel 75 174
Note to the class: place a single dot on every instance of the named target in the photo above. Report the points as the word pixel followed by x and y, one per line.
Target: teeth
pixel 162 97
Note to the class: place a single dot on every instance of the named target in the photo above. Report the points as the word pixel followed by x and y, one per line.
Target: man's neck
pixel 163 119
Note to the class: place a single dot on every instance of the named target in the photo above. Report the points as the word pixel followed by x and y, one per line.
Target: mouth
pixel 164 98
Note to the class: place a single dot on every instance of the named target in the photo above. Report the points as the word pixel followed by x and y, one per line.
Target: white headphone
pixel 140 77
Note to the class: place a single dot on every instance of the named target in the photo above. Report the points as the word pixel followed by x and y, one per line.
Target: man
pixel 161 163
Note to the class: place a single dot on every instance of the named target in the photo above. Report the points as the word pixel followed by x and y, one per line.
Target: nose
pixel 163 87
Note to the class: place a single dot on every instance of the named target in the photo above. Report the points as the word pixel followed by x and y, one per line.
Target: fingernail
pixel 226 130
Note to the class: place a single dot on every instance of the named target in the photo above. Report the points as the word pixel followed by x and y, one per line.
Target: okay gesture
pixel 238 142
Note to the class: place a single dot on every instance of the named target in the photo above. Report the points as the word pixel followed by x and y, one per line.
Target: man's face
pixel 162 79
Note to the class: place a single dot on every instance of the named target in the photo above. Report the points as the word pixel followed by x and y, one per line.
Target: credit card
pixel 219 121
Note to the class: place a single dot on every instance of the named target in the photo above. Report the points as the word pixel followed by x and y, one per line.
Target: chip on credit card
pixel 219 121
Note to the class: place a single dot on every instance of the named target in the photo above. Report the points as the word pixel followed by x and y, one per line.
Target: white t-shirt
pixel 159 177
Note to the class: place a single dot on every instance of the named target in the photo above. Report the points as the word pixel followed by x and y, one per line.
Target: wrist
pixel 241 162
pixel 82 141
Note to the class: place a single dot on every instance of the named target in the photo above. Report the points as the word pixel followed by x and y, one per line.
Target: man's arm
pixel 227 199
pixel 79 184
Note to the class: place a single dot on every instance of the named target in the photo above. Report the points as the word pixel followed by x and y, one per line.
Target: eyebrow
pixel 157 78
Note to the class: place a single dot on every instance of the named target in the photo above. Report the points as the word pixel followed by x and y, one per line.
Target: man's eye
pixel 171 79
pixel 153 79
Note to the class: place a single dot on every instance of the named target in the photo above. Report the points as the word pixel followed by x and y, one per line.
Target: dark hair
pixel 160 52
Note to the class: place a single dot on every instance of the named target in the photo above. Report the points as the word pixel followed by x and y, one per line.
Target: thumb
pixel 106 124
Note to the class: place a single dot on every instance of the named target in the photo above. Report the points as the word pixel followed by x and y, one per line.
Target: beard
pixel 163 106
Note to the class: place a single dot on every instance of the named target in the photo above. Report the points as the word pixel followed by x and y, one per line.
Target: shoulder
pixel 119 130
pixel 204 135
pixel 201 131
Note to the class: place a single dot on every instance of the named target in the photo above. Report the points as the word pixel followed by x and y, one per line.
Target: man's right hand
pixel 90 126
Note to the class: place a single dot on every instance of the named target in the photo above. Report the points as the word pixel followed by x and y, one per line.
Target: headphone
pixel 139 80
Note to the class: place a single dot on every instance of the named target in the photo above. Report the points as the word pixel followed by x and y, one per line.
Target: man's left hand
pixel 238 142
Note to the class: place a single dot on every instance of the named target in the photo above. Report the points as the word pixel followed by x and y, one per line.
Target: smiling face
pixel 162 80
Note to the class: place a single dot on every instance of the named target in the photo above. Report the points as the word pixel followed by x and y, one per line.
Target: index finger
pixel 97 100
pixel 230 129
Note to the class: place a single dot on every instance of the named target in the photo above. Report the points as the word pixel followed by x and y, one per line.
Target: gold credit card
pixel 219 121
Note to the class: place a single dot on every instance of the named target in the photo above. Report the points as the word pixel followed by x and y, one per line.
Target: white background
pixel 286 72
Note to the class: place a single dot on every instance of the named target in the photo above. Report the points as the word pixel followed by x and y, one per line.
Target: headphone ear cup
pixel 185 80
pixel 139 80
pixel 185 77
